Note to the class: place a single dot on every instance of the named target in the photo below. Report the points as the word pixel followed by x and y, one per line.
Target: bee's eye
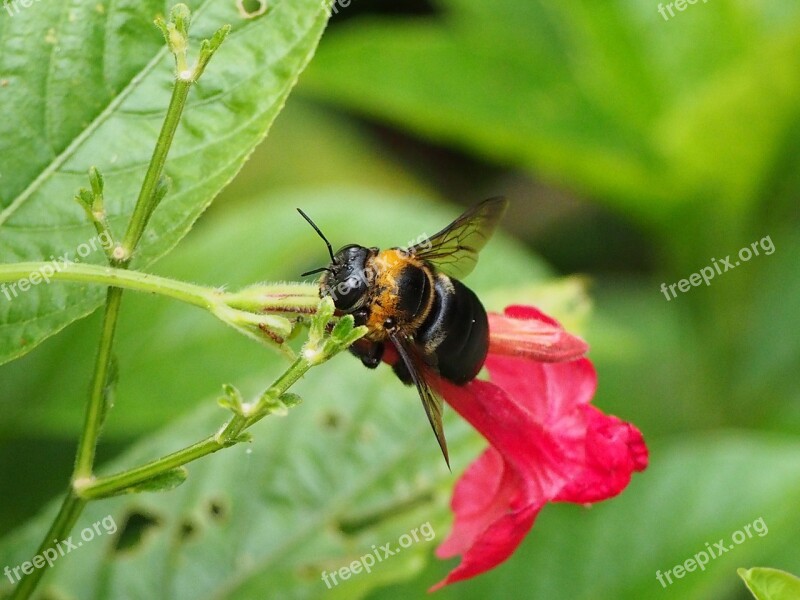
pixel 347 284
pixel 347 293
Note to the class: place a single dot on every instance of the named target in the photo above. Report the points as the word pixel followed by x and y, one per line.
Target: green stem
pixel 95 408
pixel 152 191
pixel 292 298
pixel 110 485
pixel 118 278
pixel 146 203
pixel 71 509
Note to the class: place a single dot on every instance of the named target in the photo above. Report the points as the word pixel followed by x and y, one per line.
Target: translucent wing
pixel 454 250
pixel 431 401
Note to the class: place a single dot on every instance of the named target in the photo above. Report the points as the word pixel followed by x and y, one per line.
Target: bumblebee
pixel 412 299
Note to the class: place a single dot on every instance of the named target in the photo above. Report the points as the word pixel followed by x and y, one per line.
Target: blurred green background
pixel 633 149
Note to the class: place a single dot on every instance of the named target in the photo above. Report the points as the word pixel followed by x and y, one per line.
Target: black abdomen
pixel 456 332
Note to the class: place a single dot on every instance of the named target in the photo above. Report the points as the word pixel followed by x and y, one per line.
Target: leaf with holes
pixel 315 490
pixel 355 470
pixel 87 84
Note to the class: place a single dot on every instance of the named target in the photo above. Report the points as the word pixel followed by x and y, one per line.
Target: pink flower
pixel 547 443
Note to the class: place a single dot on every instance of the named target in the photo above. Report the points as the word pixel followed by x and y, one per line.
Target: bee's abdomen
pixel 456 331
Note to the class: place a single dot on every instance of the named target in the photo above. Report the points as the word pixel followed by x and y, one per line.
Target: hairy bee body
pixel 412 301
pixel 441 315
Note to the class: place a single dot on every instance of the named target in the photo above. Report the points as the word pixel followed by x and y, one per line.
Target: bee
pixel 413 299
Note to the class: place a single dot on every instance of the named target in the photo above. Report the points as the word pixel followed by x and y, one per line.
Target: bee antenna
pixel 315 271
pixel 324 239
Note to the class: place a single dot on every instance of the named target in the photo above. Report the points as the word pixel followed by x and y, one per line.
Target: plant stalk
pixel 71 509
pixel 300 298
pixel 95 409
pixel 228 435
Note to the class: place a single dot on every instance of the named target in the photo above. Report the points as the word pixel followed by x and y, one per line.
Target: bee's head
pixel 346 279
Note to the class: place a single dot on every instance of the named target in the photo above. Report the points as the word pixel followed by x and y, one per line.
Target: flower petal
pixel 549 392
pixel 512 430
pixel 613 450
pixel 486 532
pixel 547 444
pixel 526 331
pixel 482 494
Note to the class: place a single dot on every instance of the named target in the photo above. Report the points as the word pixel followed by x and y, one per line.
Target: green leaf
pixel 356 466
pixel 319 148
pixel 264 520
pixel 603 97
pixel 770 584
pixel 161 483
pixel 232 400
pixel 87 85
pixel 289 400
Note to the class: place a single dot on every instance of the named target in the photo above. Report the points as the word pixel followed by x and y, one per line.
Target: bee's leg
pixel 369 352
pixel 360 317
pixel 401 370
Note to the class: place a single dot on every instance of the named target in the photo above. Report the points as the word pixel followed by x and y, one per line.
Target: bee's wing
pixel 431 401
pixel 454 250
